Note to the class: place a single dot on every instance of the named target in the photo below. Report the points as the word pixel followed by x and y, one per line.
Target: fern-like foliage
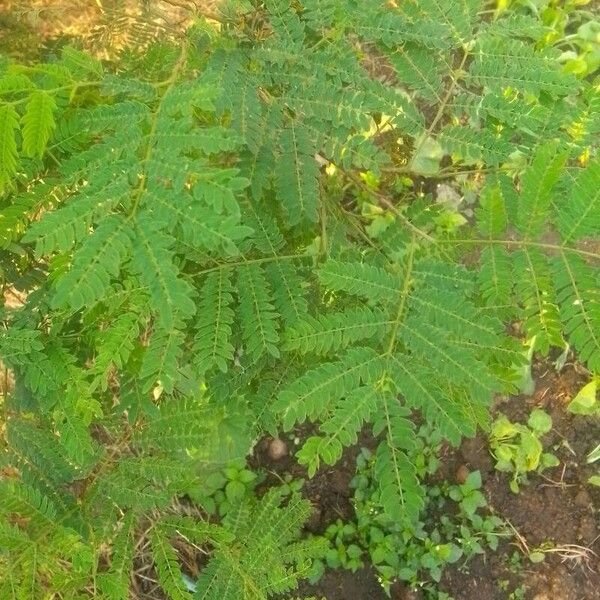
pixel 553 288
pixel 209 241
pixel 263 556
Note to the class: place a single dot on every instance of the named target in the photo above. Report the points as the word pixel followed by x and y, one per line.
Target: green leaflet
pixel 363 280
pixel 431 344
pixel 41 458
pixel 152 260
pixel 115 346
pixel 38 123
pixel 286 23
pixel 296 176
pixel 61 229
pixel 16 345
pixel 257 313
pixel 289 293
pixel 537 186
pixel 451 312
pixel 310 395
pixel 174 425
pixel 419 69
pixel 535 289
pixel 578 297
pixel 340 430
pixel 161 361
pixel 473 146
pixel 212 342
pixel 9 122
pixel 333 332
pixel 492 217
pixel 269 557
pixel 401 493
pixel 456 18
pixel 415 383
pixel 496 277
pixel 97 261
pixel 527 70
pixel 201 226
pixel 169 571
pixel 580 211
pixel 115 582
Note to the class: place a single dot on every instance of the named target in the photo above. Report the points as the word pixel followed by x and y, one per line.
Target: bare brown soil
pixel 558 508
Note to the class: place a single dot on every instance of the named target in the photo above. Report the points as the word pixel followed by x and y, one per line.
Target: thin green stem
pixel 55 90
pixel 404 292
pixel 521 244
pixel 139 192
pixel 390 206
pixel 443 105
pixel 251 261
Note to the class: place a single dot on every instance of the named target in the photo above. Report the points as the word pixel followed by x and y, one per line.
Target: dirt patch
pixel 329 490
pixel 344 585
pixel 558 509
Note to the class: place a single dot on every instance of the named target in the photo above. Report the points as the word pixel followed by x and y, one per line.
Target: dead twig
pixel 560 483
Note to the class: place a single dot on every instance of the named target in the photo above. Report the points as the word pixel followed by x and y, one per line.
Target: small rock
pixel 583 499
pixel 277 449
pixel 447 195
pixel 461 474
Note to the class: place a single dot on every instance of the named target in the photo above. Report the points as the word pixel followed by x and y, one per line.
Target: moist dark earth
pixel 558 508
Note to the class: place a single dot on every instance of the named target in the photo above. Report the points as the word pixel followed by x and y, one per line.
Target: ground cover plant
pixel 332 215
pixel 412 551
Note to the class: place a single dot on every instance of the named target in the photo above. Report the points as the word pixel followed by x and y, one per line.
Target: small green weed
pixel 517 594
pixel 227 487
pixel 515 562
pixel 224 488
pixel 586 403
pixel 518 449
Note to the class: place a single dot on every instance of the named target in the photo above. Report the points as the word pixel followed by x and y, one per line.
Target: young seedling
pixel 575 554
pixel 592 457
pixel 518 449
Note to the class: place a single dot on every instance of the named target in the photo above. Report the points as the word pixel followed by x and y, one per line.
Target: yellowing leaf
pixel 594 455
pixel 594 480
pixel 531 450
pixel 427 157
pixel 585 402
